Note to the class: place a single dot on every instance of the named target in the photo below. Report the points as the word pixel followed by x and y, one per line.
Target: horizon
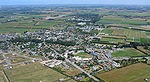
pixel 77 2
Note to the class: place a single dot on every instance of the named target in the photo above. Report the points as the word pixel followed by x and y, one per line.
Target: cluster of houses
pixel 100 59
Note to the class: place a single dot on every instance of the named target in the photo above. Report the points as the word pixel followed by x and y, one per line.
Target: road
pixel 82 70
pixel 9 62
pixel 5 76
pixel 67 60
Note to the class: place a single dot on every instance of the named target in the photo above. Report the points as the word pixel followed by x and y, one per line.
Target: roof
pixel 94 53
pixel 108 55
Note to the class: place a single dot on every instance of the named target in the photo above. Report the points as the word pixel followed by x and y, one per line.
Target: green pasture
pixel 127 53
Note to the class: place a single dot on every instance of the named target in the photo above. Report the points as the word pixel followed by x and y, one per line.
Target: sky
pixel 37 2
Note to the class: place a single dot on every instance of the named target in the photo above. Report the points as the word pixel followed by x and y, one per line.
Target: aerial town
pixel 64 46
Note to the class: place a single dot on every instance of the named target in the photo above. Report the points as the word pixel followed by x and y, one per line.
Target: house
pixel 8 67
pixel 108 55
pixel 4 63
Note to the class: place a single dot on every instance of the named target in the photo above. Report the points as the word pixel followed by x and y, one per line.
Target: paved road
pixel 5 76
pixel 8 62
pixel 82 70
pixel 77 67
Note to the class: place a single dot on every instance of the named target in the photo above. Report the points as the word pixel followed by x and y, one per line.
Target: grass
pixel 144 50
pixel 130 52
pixel 84 55
pixel 133 73
pixel 73 72
pixel 33 72
pixel 18 59
pixel 113 40
pixel 120 20
pixel 16 30
pixel 132 14
pixel 94 31
pixel 108 31
pixel 129 34
pixel 29 25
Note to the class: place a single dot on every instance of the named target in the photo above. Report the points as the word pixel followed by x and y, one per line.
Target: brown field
pixel 133 73
pixel 141 48
pixel 73 72
pixel 148 37
pixel 33 72
pixel 48 17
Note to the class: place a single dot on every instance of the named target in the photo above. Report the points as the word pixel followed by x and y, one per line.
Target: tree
pixel 50 57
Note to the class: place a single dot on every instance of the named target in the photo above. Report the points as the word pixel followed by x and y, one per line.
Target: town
pixel 80 43
pixel 69 48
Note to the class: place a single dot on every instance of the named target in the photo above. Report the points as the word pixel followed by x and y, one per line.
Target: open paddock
pixel 133 73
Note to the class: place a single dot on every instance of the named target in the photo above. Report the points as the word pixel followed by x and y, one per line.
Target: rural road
pixel 82 70
pixel 77 66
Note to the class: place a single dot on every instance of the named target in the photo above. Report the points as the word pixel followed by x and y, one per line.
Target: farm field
pixel 132 14
pixel 73 72
pixel 108 31
pixel 33 72
pixel 129 34
pixel 113 40
pixel 84 55
pixel 143 27
pixel 121 20
pixel 130 52
pixel 145 50
pixel 136 73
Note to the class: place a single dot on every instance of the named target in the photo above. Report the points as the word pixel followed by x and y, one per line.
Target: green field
pixel 127 53
pixel 84 55
pixel 18 59
pixel 129 34
pixel 29 25
pixel 108 31
pixel 34 72
pixel 121 20
pixel 132 14
pixel 133 73
pixel 113 40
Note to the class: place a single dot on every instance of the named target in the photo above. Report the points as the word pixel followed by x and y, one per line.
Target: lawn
pixel 84 55
pixel 133 73
pixel 34 72
pixel 130 52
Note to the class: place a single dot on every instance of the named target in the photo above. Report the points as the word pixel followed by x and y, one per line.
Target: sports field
pixel 133 73
pixel 84 55
pixel 130 52
pixel 33 72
